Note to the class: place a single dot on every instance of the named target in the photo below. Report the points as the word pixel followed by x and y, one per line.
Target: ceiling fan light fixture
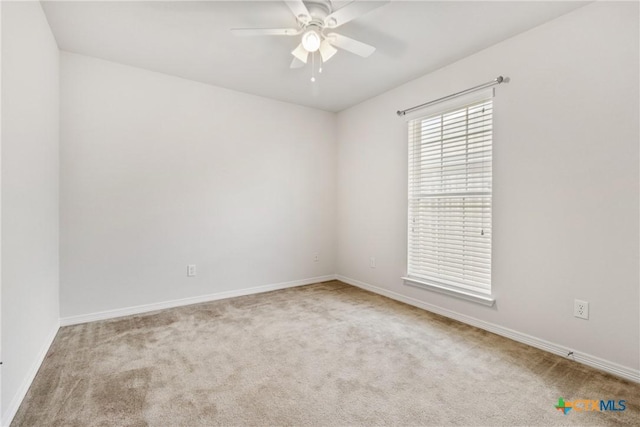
pixel 311 40
pixel 300 53
pixel 327 51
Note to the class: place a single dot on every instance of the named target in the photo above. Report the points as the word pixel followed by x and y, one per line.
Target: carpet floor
pixel 327 354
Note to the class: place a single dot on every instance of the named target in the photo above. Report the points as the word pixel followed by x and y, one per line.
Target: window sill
pixel 487 300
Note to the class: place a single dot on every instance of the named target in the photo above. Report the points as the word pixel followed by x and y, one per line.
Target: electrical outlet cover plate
pixel 581 309
pixel 191 270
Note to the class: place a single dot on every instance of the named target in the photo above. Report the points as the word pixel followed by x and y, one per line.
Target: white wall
pixel 30 106
pixel 566 182
pixel 158 172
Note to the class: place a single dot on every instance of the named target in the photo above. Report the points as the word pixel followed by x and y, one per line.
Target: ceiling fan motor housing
pixel 319 10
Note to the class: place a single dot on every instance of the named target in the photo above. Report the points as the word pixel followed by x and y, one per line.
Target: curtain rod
pixel 493 82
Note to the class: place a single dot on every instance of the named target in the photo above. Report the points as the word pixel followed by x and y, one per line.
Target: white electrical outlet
pixel 372 262
pixel 191 270
pixel 316 257
pixel 581 309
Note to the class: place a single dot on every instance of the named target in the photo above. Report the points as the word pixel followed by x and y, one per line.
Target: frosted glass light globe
pixel 311 41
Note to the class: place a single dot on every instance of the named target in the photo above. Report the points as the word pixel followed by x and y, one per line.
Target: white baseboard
pixel 11 411
pixel 586 359
pixel 139 309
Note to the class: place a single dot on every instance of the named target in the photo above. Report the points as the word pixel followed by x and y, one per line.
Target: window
pixel 449 232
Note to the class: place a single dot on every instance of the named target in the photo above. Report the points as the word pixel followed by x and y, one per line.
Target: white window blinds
pixel 450 198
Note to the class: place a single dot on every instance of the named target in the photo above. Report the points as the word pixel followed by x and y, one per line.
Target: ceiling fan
pixel 316 20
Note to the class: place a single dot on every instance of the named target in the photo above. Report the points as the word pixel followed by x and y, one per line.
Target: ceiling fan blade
pixel 300 53
pixel 265 32
pixel 326 50
pixel 351 11
pixel 350 45
pixel 299 10
pixel 296 63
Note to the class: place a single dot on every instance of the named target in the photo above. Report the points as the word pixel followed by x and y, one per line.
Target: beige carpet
pixel 326 354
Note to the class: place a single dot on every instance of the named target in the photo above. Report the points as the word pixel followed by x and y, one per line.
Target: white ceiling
pixel 192 40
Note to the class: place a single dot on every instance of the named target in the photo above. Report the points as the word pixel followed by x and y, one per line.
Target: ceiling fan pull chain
pixel 313 67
